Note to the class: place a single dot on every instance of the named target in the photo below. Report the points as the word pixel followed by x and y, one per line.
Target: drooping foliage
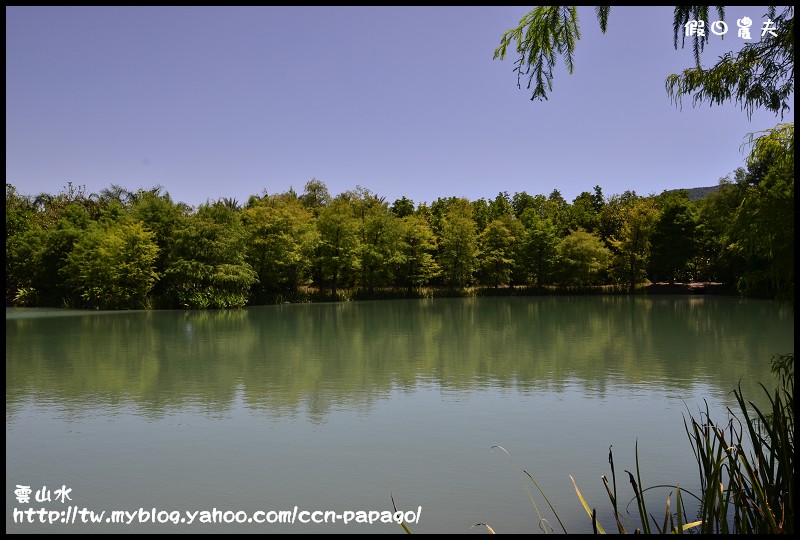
pixel 763 224
pixel 759 76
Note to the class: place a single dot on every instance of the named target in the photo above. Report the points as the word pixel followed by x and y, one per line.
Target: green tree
pixel 519 268
pixel 435 214
pixel 415 263
pixel 363 200
pixel 42 253
pixel 598 200
pixel 612 217
pixel 115 192
pixel 631 246
pixel 501 206
pixel 539 246
pixel 281 237
pixel 458 244
pixel 498 250
pixel 51 208
pixel 207 266
pixel 160 215
pixel 480 214
pixel 674 238
pixel 715 259
pixel 582 259
pixel 377 231
pixel 112 265
pixel 315 196
pixel 520 202
pixel 423 210
pixel 379 246
pixel 337 251
pixel 585 212
pixel 760 75
pixel 763 225
pixel 560 211
pixel 19 220
pixel 403 207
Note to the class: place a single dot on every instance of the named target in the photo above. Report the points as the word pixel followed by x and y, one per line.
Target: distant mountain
pixel 698 192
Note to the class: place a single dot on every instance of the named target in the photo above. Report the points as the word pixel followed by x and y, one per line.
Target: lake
pixel 336 407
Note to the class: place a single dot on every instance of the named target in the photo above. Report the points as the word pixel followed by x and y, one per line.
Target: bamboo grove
pixel 123 249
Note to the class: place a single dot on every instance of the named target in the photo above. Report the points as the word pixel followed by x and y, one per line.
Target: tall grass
pixel 747 465
pixel 746 468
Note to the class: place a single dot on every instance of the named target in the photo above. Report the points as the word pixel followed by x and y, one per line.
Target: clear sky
pixel 213 102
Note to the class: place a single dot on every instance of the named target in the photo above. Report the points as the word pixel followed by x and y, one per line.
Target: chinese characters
pixel 720 28
pixel 23 494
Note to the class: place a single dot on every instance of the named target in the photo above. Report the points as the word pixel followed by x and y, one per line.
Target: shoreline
pixel 693 287
pixel 306 295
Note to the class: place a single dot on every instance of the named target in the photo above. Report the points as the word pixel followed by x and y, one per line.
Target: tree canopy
pixel 759 241
pixel 106 252
pixel 760 75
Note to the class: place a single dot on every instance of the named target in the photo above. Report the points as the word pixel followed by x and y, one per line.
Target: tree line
pixel 122 249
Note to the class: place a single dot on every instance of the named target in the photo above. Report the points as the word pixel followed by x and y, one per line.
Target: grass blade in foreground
pixel 488 529
pixel 543 523
pixel 403 523
pixel 586 507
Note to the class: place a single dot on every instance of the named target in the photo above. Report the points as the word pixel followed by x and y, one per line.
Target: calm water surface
pixel 337 406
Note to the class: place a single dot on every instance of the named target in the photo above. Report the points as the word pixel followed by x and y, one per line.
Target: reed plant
pixel 746 468
pixel 747 464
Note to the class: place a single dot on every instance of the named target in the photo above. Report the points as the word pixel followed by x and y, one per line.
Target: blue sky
pixel 213 102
